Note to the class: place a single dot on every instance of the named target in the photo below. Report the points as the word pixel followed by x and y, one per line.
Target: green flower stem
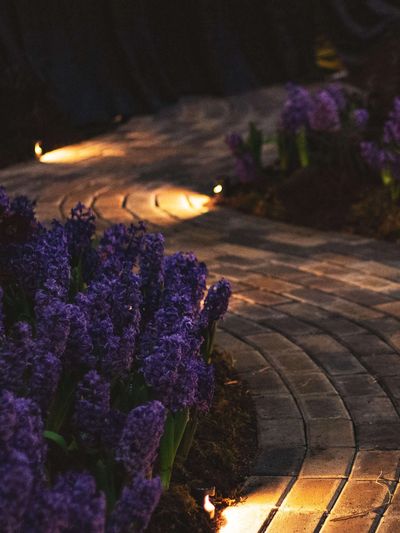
pixel 188 436
pixel 302 150
pixel 174 429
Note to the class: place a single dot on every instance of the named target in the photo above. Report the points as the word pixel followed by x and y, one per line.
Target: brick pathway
pixel 314 325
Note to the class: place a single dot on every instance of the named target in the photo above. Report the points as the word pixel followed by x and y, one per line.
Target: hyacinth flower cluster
pixel 247 154
pixel 313 128
pixel 384 156
pixel 104 363
pixel 314 125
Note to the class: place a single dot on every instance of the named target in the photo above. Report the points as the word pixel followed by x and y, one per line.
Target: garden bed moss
pixel 225 444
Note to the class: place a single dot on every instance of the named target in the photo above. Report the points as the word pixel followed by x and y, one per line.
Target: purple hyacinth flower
pixel 324 114
pixel 8 418
pixel 135 506
pixel 336 91
pixel 152 271
pixel 80 229
pixel 120 247
pixel 4 201
pixel 360 118
pixel 205 386
pixel 295 110
pixel 15 357
pixel 92 407
pixel 140 439
pixel 72 505
pixel 391 131
pixel 372 154
pixel 16 482
pixel 44 379
pixel 52 323
pixel 216 302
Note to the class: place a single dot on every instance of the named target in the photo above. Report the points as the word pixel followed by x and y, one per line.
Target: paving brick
pixel 350 523
pixel 316 344
pixel 359 385
pixel 276 407
pixel 376 464
pixel 368 409
pixel 392 308
pixel 310 383
pixel 366 344
pixel 271 284
pixel 390 524
pixel 286 521
pixel 260 495
pixel 327 463
pixel 340 327
pixel 261 297
pixel 288 325
pixel 306 312
pixel 249 360
pixel 240 326
pixel 359 497
pixel 311 495
pixel 382 365
pixel 265 383
pixel 280 461
pixel 330 433
pixel 339 363
pixel 378 435
pixel 292 362
pixel 286 433
pixel 315 408
pixel 392 384
pixel 272 343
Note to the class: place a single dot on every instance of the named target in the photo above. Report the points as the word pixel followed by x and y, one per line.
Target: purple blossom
pixel 140 439
pixel 205 386
pixel 185 278
pixel 360 118
pixel 16 481
pixel 391 130
pixel 45 376
pixel 72 505
pixel 120 246
pixel 336 91
pixel 4 201
pixel 52 322
pixel 216 302
pixel 15 357
pixel 135 506
pixel 79 347
pixel 152 271
pixel 8 418
pixel 371 154
pixel 92 407
pixel 324 115
pixel 80 229
pixel 171 372
pixel 295 110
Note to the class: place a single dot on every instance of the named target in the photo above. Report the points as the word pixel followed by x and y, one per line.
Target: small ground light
pixel 38 149
pixel 217 189
pixel 208 506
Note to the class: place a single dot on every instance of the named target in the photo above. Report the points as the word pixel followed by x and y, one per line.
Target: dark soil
pixel 322 198
pixel 221 455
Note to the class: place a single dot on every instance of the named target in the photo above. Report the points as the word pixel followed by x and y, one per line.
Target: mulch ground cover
pixel 221 455
pixel 321 198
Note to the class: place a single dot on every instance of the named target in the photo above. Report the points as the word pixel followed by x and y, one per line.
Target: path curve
pixel 314 324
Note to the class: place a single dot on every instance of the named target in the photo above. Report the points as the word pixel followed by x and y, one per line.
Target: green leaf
pixel 57 438
pixel 254 142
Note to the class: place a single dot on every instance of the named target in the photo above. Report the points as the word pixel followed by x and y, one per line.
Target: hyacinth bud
pixel 324 115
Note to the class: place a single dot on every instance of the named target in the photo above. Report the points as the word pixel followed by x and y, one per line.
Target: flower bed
pixel 105 369
pixel 338 166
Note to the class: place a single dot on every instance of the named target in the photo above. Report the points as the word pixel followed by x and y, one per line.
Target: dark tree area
pixel 68 67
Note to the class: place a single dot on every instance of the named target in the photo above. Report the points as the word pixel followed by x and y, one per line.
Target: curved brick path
pixel 314 325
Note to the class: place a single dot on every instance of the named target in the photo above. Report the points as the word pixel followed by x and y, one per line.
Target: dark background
pixel 68 67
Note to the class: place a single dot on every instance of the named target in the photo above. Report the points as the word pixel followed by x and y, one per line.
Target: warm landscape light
pixel 208 506
pixel 38 149
pixel 217 189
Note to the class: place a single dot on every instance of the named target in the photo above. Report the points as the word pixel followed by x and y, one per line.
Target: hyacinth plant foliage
pixel 105 365
pixel 314 129
pixel 384 155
